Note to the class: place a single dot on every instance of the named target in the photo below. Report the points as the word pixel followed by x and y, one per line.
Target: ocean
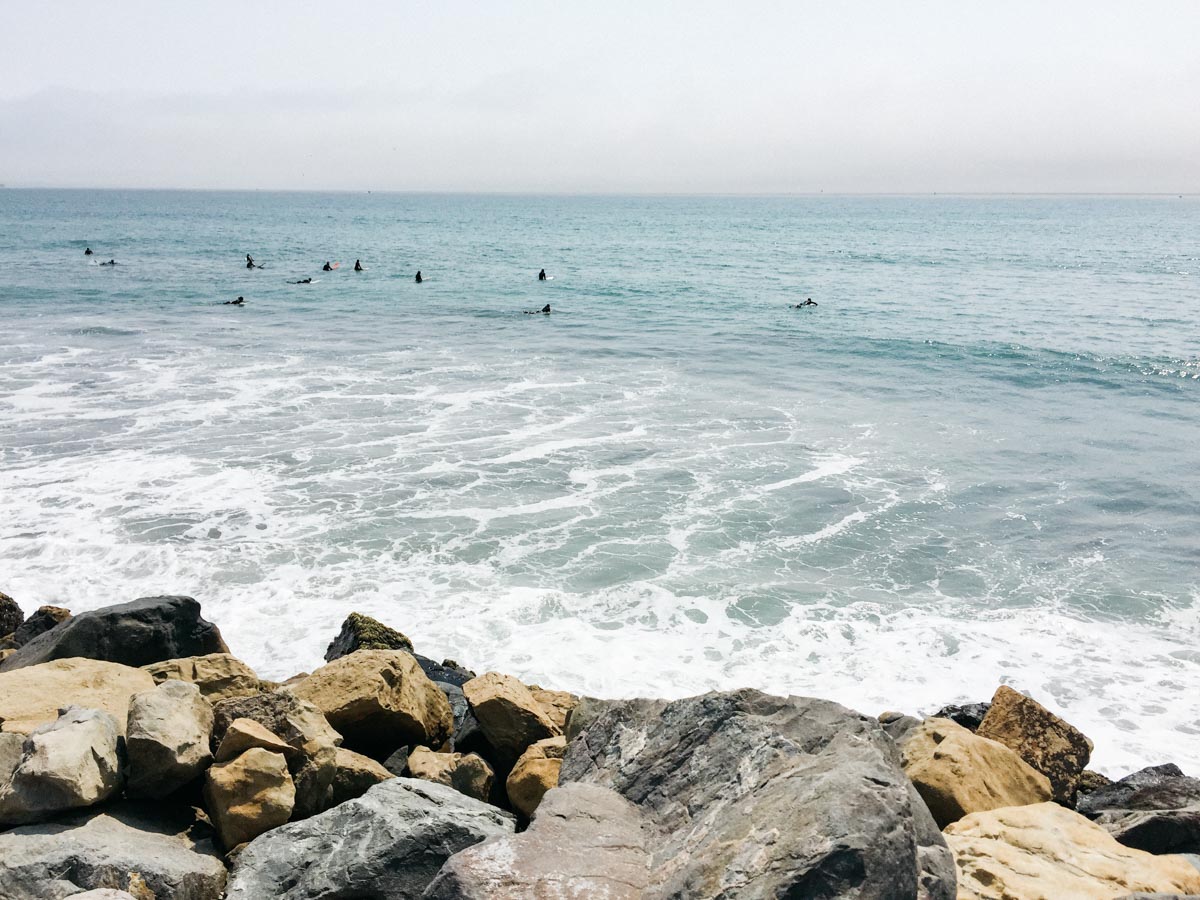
pixel 973 462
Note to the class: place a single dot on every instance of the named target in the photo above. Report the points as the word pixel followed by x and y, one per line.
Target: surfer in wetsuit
pixel 358 266
pixel 303 281
pixel 327 267
pixel 111 262
pixel 87 252
pixel 240 301
pixel 249 261
pixel 542 275
pixel 419 279
pixel 809 302
pixel 533 312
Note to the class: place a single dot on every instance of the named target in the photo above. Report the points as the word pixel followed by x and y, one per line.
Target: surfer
pixel 357 266
pixel 533 312
pixel 542 275
pixel 809 302
pixel 303 281
pixel 419 279
pixel 240 301
pixel 249 261
pixel 111 262
pixel 327 267
pixel 87 252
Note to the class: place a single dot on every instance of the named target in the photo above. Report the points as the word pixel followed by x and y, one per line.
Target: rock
pixel 378 700
pixel 397 763
pixel 11 750
pixel 535 773
pixel 465 772
pixel 557 704
pixel 388 843
pixel 249 795
pixel 509 716
pixel 957 772
pixel 459 708
pixel 1092 781
pixel 68 764
pixel 104 894
pixel 586 711
pixel 585 841
pixel 355 775
pixel 167 739
pixel 1047 851
pixel 302 727
pixel 757 796
pixel 243 734
pixel 361 632
pixel 1155 809
pixel 154 852
pixel 447 671
pixel 32 696
pixel 39 623
pixel 1056 749
pixel 138 633
pixel 11 615
pixel 218 675
pixel 898 725
pixel 969 715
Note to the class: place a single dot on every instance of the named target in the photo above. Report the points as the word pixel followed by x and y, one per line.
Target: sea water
pixel 973 462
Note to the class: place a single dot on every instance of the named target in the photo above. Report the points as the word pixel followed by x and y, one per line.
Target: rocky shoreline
pixel 140 759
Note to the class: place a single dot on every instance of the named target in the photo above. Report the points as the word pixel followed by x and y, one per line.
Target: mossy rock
pixel 361 632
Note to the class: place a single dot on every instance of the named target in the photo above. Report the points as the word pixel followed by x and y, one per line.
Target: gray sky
pixel 616 96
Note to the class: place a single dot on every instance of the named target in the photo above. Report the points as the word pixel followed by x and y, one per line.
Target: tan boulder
pixel 957 772
pixel 557 704
pixel 249 795
pixel 218 675
pixel 168 739
pixel 244 734
pixel 33 695
pixel 535 773
pixel 356 774
pixel 378 700
pixel 1048 852
pixel 467 773
pixel 508 714
pixel 1055 748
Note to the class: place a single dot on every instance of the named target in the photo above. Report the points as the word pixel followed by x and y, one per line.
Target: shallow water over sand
pixel 973 462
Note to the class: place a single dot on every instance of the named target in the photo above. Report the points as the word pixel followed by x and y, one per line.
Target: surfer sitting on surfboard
pixel 418 279
pixel 327 267
pixel 542 275
pixel 358 266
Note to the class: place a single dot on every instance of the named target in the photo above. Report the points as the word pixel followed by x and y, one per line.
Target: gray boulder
pixel 104 894
pixel 312 759
pixel 138 633
pixel 43 619
pixel 758 796
pixel 584 841
pixel 150 852
pixel 11 751
pixel 167 738
pixel 969 715
pixel 390 843
pixel 67 764
pixel 1155 809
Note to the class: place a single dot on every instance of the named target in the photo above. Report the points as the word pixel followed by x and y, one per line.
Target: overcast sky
pixel 641 96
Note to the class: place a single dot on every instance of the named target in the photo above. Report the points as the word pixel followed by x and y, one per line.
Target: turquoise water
pixel 975 461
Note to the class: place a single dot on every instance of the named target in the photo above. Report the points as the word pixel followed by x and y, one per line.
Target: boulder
pixel 969 715
pixel 1155 809
pixel 11 751
pixel 45 618
pixel 584 841
pixel 218 675
pixel 898 725
pixel 1048 851
pixel 1053 747
pixel 33 696
pixel 957 772
pixel 151 852
pixel 388 843
pixel 11 615
pixel 138 633
pixel 397 763
pixel 586 711
pixel 535 773
pixel 378 700
pixel 508 715
pixel 446 672
pixel 242 734
pixel 249 795
pixel 1090 781
pixel 104 894
pixel 167 739
pixel 465 772
pixel 301 726
pixel 757 796
pixel 71 763
pixel 557 704
pixel 355 775
pixel 459 708
pixel 361 632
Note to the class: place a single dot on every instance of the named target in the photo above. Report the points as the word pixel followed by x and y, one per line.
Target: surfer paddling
pixel 809 302
pixel 535 312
